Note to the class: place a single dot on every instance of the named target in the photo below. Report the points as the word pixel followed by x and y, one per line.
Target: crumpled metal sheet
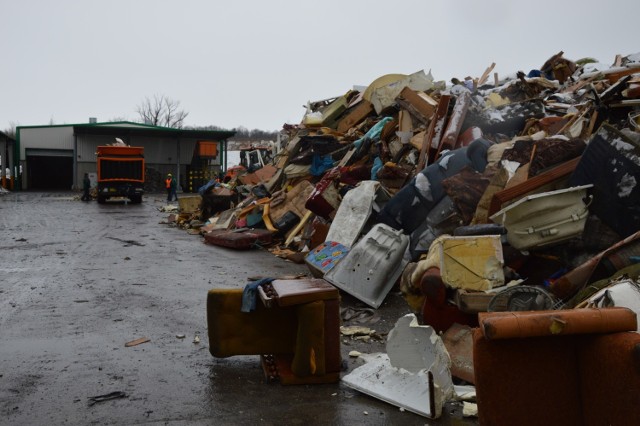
pixel 372 266
pixel 414 375
pixel 353 213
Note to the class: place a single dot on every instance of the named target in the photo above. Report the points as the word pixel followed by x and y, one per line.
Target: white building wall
pixel 45 138
pixel 157 150
pixel 187 147
pixel 87 147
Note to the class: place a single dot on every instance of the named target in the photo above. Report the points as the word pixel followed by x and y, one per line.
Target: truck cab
pixel 120 172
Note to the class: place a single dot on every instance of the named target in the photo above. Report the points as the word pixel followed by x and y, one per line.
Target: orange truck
pixel 120 172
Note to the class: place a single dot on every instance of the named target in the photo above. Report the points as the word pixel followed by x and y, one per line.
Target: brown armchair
pixel 296 331
pixel 567 367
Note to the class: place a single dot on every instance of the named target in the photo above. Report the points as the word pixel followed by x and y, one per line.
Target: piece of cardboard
pixel 404 121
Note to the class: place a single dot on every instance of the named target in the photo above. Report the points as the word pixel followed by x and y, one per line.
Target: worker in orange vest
pixel 171 185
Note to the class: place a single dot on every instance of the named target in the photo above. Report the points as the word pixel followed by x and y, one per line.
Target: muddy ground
pixel 79 280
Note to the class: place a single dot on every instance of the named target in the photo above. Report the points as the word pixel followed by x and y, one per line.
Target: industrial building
pixel 7 161
pixel 57 156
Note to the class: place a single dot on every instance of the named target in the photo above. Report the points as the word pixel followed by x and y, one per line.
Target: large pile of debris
pixel 478 195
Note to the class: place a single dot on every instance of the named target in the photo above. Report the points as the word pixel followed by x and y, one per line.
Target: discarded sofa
pixel 295 327
pixel 610 162
pixel 565 367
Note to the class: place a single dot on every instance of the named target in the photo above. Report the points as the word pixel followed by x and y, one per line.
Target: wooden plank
pixel 580 84
pixel 613 77
pixel 485 76
pixel 592 123
pixel 137 342
pixel 355 116
pixel 347 157
pixel 441 120
pixel 573 119
pixel 267 219
pixel 450 136
pixel 298 228
pixel 426 143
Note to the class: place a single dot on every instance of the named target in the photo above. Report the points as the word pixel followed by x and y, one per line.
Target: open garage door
pixel 49 169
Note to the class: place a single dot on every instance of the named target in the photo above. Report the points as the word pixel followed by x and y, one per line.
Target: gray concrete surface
pixel 79 280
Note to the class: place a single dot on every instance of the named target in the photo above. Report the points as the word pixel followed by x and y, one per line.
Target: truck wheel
pixel 101 199
pixel 136 199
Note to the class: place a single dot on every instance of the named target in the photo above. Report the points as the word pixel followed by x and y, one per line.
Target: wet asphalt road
pixel 79 280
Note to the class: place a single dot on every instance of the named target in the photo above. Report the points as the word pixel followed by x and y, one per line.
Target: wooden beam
pixel 441 121
pixel 450 136
pixel 485 76
pixel 298 228
pixel 426 143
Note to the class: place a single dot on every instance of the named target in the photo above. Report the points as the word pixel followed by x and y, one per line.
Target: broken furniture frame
pixel 295 328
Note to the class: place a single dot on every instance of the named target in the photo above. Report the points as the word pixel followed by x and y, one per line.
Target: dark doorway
pixel 49 172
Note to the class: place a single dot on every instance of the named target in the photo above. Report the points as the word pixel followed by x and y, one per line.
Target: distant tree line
pixel 242 133
pixel 161 110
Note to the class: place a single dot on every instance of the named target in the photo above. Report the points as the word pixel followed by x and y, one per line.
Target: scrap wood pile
pixel 473 195
pixel 477 198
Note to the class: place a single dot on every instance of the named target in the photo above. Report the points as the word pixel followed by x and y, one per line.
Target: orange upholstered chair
pixel 564 367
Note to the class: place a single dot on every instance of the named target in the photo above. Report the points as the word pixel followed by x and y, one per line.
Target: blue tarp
pixel 204 188
pixel 320 164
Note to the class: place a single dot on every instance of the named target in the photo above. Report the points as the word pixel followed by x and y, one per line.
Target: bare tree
pixel 161 111
pixel 11 130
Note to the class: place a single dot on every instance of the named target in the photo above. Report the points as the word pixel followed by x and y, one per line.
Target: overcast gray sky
pixel 255 63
